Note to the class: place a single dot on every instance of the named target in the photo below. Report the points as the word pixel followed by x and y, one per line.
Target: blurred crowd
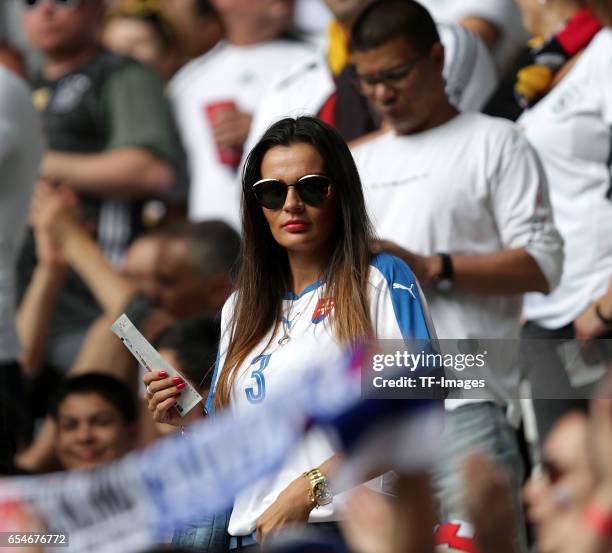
pixel 483 143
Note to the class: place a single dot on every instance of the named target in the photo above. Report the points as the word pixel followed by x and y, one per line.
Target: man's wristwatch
pixel 320 492
pixel 443 281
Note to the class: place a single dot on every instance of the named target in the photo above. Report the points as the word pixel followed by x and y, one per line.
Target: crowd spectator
pixel 21 148
pixel 214 96
pixel 305 252
pixel 570 128
pixel 109 138
pixel 178 272
pixel 197 23
pixel 95 417
pixel 557 495
pixel 175 273
pixel 145 34
pixel 462 198
pixel 325 86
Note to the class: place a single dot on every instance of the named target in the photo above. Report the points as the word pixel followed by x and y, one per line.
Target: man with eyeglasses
pixel 323 87
pixel 109 138
pixel 463 199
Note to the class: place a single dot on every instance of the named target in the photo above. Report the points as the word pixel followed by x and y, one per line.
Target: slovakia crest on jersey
pixel 322 309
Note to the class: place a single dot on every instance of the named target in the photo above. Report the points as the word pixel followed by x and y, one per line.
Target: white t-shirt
pixel 397 311
pixel 21 148
pixel 503 13
pixel 468 69
pixel 470 186
pixel 571 129
pixel 235 73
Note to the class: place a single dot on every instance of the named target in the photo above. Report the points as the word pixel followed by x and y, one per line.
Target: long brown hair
pixel 264 275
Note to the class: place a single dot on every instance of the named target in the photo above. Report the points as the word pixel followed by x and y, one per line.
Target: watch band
pixel 319 493
pixel 447 272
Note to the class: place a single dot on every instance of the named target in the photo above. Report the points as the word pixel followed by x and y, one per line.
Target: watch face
pixel 322 493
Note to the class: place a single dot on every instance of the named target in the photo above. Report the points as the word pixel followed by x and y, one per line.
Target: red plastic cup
pixel 227 156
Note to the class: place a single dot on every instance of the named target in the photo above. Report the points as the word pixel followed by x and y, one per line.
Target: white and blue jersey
pixel 397 311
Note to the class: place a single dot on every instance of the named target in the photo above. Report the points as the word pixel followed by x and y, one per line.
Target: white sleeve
pixel 398 309
pixel 521 206
pixel 469 69
pixel 602 72
pixel 227 314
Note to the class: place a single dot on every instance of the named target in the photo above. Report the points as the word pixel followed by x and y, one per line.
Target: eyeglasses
pixel 391 77
pixel 313 190
pixel 31 4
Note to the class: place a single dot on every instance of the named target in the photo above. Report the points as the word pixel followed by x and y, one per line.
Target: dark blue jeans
pixel 209 534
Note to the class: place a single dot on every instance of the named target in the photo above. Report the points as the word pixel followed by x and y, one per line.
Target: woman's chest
pixel 282 358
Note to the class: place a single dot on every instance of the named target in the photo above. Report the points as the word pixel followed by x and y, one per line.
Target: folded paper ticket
pixel 151 360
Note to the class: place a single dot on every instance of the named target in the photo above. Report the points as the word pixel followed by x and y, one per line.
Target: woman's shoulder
pixel 389 271
pixel 228 308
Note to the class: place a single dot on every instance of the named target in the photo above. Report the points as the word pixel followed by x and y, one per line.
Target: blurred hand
pixel 162 394
pixel 488 501
pixel 51 208
pixel 425 268
pixel 369 522
pixel 231 127
pixel 291 506
pixel 588 325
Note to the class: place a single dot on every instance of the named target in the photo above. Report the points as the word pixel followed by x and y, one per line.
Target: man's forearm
pixel 487 32
pixel 122 173
pixel 34 314
pixel 506 272
pixel 111 289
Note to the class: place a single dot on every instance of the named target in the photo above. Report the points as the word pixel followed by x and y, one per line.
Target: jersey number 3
pixel 258 393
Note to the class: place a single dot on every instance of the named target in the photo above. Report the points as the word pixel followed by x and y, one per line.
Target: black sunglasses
pixel 390 77
pixel 31 4
pixel 313 190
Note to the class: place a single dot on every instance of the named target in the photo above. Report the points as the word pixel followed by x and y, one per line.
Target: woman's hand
pixel 162 394
pixel 292 505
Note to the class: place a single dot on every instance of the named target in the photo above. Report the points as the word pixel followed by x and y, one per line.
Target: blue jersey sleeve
pixel 398 307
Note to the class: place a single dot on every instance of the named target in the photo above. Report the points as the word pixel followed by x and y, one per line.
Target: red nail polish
pixel 177 379
pixel 162 374
pixel 177 394
pixel 180 386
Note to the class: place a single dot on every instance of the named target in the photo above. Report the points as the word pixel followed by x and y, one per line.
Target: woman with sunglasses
pixel 307 282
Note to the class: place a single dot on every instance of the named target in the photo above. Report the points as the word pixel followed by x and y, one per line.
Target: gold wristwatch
pixel 320 492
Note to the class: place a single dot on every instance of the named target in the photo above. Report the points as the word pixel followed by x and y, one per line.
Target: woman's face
pixel 296 226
